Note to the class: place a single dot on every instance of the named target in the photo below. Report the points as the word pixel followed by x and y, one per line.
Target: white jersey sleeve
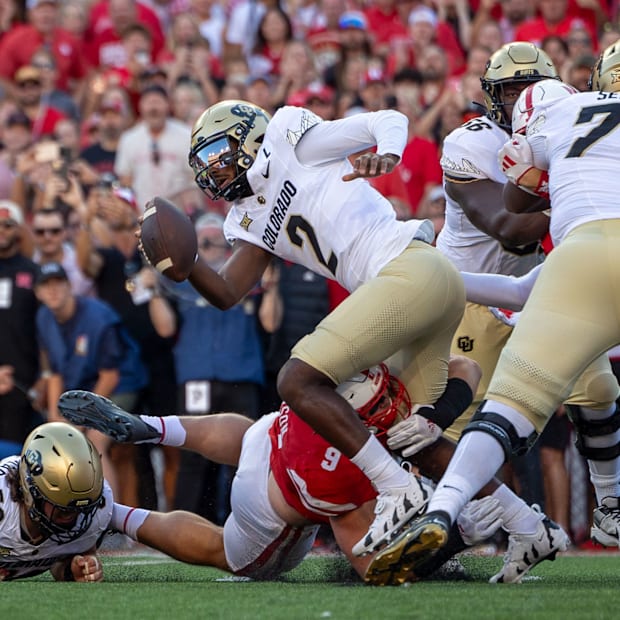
pixel 577 139
pixel 308 215
pixel 18 557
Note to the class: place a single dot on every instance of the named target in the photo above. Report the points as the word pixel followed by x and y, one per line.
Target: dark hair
pixel 554 38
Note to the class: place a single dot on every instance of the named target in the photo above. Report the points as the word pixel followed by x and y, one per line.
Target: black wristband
pixel 451 404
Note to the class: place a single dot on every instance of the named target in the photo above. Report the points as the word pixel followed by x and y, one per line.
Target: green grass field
pixel 153 587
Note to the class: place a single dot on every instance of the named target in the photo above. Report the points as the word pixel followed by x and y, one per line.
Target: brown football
pixel 168 239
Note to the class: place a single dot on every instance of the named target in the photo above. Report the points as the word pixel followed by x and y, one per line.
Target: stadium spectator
pixel 298 70
pixel 87 347
pixel 49 229
pixel 386 26
pixel 19 352
pixel 513 14
pixel 28 92
pixel 108 252
pixel 151 157
pixel 16 138
pixel 50 518
pixel 225 373
pixel 43 60
pixel 553 18
pixel 212 23
pixel 113 118
pixel 43 30
pixel 107 21
pixel 187 57
pixel 275 30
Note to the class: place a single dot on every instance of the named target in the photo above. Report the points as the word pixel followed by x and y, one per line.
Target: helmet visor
pixel 213 164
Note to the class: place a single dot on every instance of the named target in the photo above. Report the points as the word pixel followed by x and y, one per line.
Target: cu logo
pixel 465 344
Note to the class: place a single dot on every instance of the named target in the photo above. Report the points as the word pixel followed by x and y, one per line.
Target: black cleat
pixel 84 408
pixel 397 562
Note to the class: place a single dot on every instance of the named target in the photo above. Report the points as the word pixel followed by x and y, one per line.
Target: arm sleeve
pixel 112 350
pixel 334 140
pixel 492 289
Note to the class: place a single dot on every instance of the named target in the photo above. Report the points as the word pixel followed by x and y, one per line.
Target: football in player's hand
pixel 168 239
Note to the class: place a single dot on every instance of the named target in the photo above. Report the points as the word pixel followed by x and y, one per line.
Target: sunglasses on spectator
pixel 43 231
pixel 7 224
pixel 205 244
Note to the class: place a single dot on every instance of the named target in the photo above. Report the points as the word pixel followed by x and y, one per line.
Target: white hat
pixel 11 211
pixel 423 14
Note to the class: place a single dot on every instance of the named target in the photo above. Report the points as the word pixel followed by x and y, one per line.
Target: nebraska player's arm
pixel 479 200
pixel 242 271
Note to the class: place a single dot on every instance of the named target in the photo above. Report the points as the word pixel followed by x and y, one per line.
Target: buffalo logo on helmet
pixel 34 462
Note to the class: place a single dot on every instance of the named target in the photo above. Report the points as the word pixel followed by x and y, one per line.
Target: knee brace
pixel 594 428
pixel 503 431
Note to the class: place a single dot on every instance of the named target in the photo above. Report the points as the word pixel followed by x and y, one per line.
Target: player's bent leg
pixel 84 408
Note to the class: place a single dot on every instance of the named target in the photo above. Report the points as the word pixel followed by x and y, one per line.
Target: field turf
pixel 153 587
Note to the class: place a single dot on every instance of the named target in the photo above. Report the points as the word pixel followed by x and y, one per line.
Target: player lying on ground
pixel 54 507
pixel 289 479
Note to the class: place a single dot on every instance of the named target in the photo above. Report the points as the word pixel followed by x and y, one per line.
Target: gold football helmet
pixel 225 140
pixel 379 398
pixel 61 479
pixel 518 62
pixel 606 72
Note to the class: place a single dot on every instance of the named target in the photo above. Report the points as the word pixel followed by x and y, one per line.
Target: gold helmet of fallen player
pixel 225 141
pixel 514 63
pixel 61 479
pixel 606 72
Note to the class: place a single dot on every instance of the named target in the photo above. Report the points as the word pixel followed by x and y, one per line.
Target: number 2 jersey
pixel 577 138
pixel 469 154
pixel 18 557
pixel 306 214
pixel 315 479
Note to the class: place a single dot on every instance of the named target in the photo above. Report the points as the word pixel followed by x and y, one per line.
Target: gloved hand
pixel 479 519
pixel 413 434
pixel 517 162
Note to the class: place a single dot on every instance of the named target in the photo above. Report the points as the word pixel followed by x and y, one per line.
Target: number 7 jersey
pixel 577 139
pixel 306 214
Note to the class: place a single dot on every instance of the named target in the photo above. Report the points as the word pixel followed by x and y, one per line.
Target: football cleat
pixel 397 563
pixel 606 523
pixel 393 510
pixel 527 550
pixel 84 408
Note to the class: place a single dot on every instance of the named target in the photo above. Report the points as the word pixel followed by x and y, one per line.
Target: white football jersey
pixel 577 139
pixel 18 557
pixel 306 214
pixel 470 154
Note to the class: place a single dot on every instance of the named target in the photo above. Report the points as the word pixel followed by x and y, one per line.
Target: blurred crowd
pixel 97 101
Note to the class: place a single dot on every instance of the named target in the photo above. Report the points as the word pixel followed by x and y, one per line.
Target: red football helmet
pixel 379 398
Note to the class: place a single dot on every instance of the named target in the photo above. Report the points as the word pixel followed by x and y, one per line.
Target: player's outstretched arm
pixel 240 274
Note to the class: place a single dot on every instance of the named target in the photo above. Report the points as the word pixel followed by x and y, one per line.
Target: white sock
pixel 517 516
pixel 170 428
pixel 604 475
pixel 377 464
pixel 128 520
pixel 477 458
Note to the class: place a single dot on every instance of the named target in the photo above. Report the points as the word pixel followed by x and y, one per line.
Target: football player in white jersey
pixel 479 235
pixel 571 316
pixel 54 507
pixel 295 195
